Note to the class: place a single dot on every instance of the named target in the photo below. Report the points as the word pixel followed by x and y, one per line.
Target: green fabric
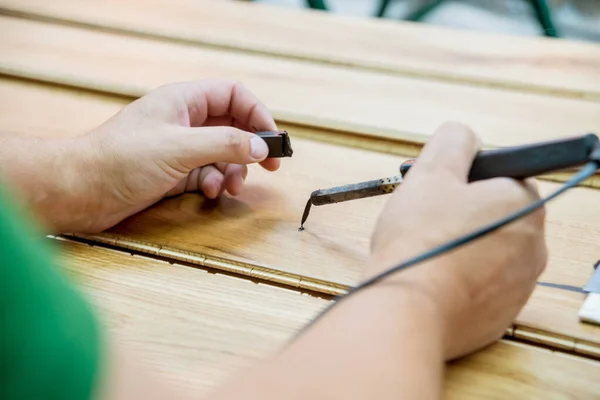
pixel 49 337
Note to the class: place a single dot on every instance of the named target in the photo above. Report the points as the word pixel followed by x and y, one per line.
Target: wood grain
pixel 258 229
pixel 322 96
pixel 24 119
pixel 195 329
pixel 558 67
pixel 32 109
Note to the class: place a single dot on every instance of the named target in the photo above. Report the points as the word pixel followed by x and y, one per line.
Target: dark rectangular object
pixel 278 142
pixel 520 162
pixel 534 159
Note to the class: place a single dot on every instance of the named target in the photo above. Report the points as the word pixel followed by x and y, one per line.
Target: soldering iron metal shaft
pixel 353 191
pixel 517 162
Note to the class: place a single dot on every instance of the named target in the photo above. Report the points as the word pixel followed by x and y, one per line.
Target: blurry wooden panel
pixel 256 233
pixel 45 110
pixel 196 329
pixel 557 67
pixel 19 116
pixel 368 103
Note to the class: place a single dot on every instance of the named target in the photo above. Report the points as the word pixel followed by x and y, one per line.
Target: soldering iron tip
pixel 305 214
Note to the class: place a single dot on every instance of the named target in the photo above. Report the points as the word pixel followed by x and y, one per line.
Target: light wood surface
pixel 558 67
pixel 29 108
pixel 195 329
pixel 256 233
pixel 369 103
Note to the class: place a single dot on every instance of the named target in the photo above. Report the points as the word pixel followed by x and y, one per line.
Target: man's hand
pixel 480 288
pixel 184 137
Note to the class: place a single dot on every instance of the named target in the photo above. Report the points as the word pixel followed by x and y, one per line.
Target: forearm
pixel 51 177
pixel 384 343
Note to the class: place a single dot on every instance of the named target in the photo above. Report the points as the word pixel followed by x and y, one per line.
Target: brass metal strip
pixel 559 342
pixel 299 282
pixel 545 338
pixel 236 267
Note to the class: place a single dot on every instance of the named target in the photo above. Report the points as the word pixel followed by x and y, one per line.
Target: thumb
pixel 208 145
pixel 452 149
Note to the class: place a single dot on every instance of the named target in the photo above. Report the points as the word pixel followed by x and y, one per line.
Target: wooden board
pixel 256 233
pixel 195 329
pixel 44 110
pixel 357 101
pixel 557 67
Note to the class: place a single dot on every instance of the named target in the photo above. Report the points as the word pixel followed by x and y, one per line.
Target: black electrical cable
pixel 586 171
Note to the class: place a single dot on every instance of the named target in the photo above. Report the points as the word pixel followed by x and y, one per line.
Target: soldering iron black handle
pixel 530 160
pixel 522 162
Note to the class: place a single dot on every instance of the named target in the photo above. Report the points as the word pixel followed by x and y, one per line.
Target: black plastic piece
pixel 278 142
pixel 535 159
pixel 531 160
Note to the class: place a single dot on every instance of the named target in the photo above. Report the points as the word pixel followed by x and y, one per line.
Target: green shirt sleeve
pixel 49 337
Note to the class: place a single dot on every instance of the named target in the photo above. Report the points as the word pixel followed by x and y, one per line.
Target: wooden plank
pixel 558 67
pixel 195 329
pixel 256 233
pixel 357 101
pixel 31 109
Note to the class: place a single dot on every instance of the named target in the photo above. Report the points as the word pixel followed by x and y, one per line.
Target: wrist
pixel 391 327
pixel 407 326
pixel 403 300
pixel 53 177
pixel 409 299
pixel 433 292
pixel 79 191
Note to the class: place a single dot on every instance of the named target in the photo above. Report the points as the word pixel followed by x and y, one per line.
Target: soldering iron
pixel 518 162
pixel 513 162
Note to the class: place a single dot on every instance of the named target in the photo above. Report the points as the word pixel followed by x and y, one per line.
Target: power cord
pixel 586 172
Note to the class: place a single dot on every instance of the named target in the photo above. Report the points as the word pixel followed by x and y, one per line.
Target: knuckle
pixel 238 90
pixel 454 126
pixel 164 93
pixel 167 88
pixel 459 129
pixel 234 84
pixel 516 192
pixel 237 84
pixel 233 142
pixel 507 188
pixel 425 166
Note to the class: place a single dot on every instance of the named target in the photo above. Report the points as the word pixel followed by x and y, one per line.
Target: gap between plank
pixel 307 286
pixel 219 45
pixel 213 265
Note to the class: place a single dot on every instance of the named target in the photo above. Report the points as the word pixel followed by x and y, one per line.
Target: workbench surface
pixel 67 66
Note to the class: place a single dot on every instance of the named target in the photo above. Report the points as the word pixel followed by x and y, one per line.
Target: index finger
pixel 213 98
pixel 217 98
pixel 452 148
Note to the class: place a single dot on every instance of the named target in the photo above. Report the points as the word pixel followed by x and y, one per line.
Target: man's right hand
pixel 479 288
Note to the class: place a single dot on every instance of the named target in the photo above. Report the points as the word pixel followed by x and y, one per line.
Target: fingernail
pixel 258 148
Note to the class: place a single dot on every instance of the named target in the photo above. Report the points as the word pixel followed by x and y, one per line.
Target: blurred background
pixel 573 19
